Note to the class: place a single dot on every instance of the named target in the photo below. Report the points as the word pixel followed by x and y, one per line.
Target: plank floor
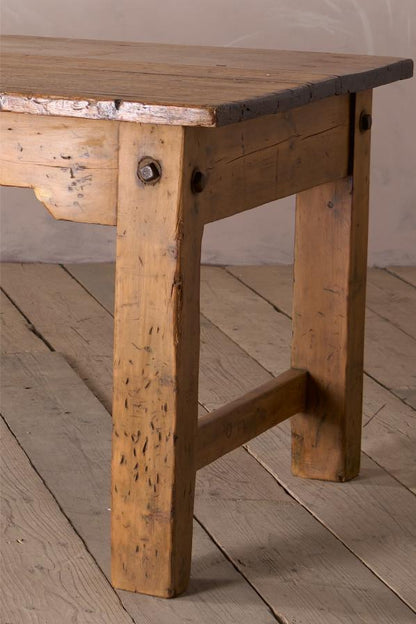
pixel 267 547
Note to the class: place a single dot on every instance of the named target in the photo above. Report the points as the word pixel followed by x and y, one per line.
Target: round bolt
pixel 198 181
pixel 149 170
pixel 366 121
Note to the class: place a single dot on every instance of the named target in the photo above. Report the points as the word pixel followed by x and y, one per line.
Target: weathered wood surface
pixel 226 372
pixel 47 574
pixel 329 312
pixel 16 334
pixel 388 296
pixel 262 530
pixel 364 507
pixel 256 522
pixel 272 157
pixel 230 426
pixel 66 433
pixel 71 164
pixel 406 273
pixel 392 299
pixel 352 511
pixel 390 342
pixel 389 434
pixel 80 329
pixel 185 85
pixel 156 363
pixel 99 280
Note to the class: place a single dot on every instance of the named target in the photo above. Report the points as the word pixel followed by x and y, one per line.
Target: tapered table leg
pixel 155 364
pixel 328 314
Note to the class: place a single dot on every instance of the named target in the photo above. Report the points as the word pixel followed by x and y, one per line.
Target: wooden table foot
pixel 155 365
pixel 328 315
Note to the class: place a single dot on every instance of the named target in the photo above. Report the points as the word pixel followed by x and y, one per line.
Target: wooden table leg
pixel 328 315
pixel 156 358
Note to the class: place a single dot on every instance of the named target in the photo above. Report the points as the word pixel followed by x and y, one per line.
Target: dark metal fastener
pixel 149 170
pixel 366 121
pixel 198 181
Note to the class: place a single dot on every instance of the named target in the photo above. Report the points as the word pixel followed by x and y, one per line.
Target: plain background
pixel 263 235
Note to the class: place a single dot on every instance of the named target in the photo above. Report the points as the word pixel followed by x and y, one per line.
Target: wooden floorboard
pixel 394 429
pixel 233 307
pixel 387 295
pixel 228 371
pixel 405 273
pixel 390 322
pixel 47 574
pixel 66 433
pixel 389 434
pixel 72 323
pixel 392 299
pixel 385 342
pixel 16 334
pixel 283 551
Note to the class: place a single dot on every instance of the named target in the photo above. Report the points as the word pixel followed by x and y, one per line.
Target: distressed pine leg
pixel 328 315
pixel 156 357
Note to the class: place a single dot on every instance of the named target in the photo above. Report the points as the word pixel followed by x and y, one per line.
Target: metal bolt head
pixel 149 170
pixel 366 121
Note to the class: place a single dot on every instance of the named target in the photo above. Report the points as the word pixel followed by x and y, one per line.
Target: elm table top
pixel 174 84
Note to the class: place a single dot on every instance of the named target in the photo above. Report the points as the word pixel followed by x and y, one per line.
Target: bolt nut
pixel 198 181
pixel 366 121
pixel 149 170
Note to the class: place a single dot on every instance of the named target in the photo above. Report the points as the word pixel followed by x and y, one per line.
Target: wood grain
pixel 47 574
pixel 364 506
pixel 388 296
pixel 97 279
pixel 272 157
pixel 16 334
pixel 71 164
pixel 328 315
pixel 226 371
pixel 184 85
pixel 44 290
pixel 389 434
pixel 392 299
pixel 373 515
pixel 407 274
pixel 228 427
pixel 274 541
pixel 238 501
pixel 82 330
pixel 66 434
pixel 389 341
pixel 156 361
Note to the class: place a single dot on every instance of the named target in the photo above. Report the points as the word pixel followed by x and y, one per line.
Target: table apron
pixel 72 164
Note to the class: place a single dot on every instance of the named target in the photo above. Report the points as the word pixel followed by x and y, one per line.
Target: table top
pixel 174 84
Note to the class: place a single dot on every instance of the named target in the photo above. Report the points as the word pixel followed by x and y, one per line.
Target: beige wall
pixel 384 27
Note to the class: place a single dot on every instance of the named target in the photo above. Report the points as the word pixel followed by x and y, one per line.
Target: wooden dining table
pixel 159 140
